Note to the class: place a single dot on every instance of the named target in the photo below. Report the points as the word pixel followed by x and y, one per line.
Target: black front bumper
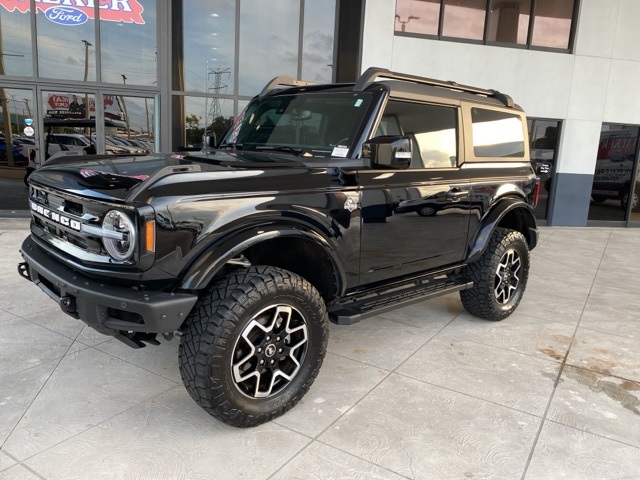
pixel 108 308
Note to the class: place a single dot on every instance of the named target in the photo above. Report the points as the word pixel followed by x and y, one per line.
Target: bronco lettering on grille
pixel 56 217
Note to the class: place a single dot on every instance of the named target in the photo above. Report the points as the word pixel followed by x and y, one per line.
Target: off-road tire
pixel 213 334
pixel 482 300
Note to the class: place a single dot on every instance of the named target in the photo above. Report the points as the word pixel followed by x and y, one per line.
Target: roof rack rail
pixel 284 82
pixel 370 75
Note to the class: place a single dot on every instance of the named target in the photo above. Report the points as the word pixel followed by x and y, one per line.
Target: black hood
pixel 106 177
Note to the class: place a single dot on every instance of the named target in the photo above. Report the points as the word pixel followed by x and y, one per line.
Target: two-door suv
pixel 322 202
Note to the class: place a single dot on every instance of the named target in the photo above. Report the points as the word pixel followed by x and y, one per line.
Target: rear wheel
pixel 499 276
pixel 253 345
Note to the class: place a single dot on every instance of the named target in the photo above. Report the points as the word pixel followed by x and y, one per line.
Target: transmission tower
pixel 220 76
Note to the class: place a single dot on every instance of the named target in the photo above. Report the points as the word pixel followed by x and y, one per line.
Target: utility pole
pixel 26 102
pixel 124 108
pixel 87 107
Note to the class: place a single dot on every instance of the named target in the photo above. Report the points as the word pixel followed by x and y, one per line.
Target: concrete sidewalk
pixel 426 392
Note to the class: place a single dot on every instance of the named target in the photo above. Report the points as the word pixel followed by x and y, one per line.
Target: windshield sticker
pixel 358 102
pixel 340 151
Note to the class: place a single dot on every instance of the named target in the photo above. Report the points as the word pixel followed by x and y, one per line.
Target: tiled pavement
pixel 425 392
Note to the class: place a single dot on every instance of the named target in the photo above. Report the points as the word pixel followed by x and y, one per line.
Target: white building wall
pixel 598 83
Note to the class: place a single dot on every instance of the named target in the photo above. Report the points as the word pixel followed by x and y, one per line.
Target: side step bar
pixel 371 304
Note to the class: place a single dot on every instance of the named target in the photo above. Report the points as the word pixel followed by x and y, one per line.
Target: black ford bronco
pixel 322 202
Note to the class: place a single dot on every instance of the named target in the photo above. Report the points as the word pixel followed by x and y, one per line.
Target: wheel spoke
pixel 269 351
pixel 507 277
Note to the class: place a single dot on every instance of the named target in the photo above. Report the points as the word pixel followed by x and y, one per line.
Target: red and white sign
pixel 126 11
pixel 64 105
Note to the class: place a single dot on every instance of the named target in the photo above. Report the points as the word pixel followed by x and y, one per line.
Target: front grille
pixel 62 220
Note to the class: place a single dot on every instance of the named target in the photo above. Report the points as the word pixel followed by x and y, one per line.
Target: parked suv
pixel 302 215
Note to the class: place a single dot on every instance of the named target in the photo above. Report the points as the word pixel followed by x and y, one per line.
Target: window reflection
pixel 15 38
pixel 317 44
pixel 418 16
pixel 432 130
pixel 464 19
pixel 509 21
pixel 195 117
pixel 66 51
pixel 120 62
pixel 17 146
pixel 207 30
pixel 271 27
pixel 612 189
pixel 543 138
pixel 129 124
pixel 552 23
pixel 496 134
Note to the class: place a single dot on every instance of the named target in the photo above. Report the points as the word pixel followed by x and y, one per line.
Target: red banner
pixel 126 11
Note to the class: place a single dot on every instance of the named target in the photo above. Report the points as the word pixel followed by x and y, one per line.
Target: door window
pixel 432 129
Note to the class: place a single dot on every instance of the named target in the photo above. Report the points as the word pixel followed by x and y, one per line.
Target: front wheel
pixel 253 345
pixel 499 276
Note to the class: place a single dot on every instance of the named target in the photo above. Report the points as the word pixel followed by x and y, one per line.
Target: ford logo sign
pixel 66 15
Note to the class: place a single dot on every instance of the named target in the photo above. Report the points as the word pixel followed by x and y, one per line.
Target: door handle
pixel 456 193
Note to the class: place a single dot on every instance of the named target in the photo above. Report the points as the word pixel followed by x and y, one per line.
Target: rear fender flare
pixel 492 219
pixel 205 268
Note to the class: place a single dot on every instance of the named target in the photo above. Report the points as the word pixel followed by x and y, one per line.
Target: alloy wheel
pixel 270 351
pixel 507 277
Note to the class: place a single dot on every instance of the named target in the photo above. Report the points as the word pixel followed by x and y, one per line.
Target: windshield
pixel 309 124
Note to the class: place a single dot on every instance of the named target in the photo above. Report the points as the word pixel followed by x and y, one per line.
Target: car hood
pixel 105 177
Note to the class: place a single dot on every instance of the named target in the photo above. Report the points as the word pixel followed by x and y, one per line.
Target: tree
pixel 193 131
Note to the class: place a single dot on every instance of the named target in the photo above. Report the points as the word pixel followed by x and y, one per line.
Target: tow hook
pixel 68 304
pixel 23 270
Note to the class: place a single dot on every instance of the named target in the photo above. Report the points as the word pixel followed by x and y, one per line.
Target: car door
pixel 415 219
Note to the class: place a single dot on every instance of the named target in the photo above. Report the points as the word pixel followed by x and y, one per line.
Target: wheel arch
pixel 277 246
pixel 512 213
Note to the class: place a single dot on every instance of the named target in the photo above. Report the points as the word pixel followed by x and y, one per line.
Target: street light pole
pixel 124 108
pixel 87 108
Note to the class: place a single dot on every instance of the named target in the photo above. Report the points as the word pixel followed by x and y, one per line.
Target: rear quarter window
pixel 497 134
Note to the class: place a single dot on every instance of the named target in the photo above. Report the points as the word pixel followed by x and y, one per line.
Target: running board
pixel 371 304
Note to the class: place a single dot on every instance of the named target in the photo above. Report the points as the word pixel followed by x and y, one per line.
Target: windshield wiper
pixel 281 148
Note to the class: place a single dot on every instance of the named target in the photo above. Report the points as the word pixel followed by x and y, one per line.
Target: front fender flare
pixel 205 268
pixel 488 224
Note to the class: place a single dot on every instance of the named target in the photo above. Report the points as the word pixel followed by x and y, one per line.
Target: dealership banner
pixel 65 105
pixel 77 12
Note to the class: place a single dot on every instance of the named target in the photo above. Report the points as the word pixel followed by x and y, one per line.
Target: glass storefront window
pixel 464 19
pixel 317 44
pixel 119 31
pixel 68 123
pixel 204 55
pixel 197 117
pixel 66 48
pixel 552 23
pixel 418 16
pixel 509 21
pixel 613 178
pixel 15 42
pixel 271 27
pixel 543 138
pixel 18 141
pixel 129 125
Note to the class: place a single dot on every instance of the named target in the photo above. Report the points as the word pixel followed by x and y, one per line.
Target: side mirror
pixel 210 140
pixel 388 152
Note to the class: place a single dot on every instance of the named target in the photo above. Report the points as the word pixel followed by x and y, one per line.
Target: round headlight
pixel 119 235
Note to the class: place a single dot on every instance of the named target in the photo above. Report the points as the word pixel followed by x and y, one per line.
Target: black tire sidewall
pixel 311 363
pixel 214 327
pixel 518 244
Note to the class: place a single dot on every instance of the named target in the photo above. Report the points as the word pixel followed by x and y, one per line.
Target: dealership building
pixel 163 72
